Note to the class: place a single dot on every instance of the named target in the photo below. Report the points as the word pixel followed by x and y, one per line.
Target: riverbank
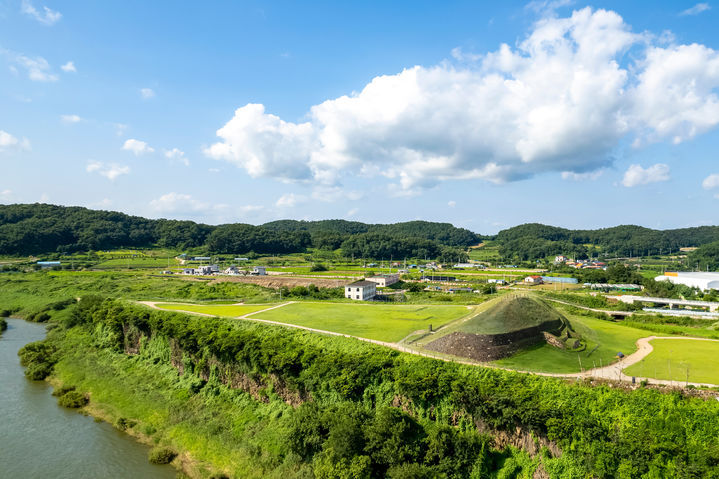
pixel 42 439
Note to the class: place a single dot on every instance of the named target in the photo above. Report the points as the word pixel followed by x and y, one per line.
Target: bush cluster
pixel 161 455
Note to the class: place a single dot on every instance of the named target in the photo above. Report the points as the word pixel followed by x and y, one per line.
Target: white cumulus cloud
pixel 147 93
pixel 108 170
pixel 711 182
pixel 452 203
pixel 5 195
pixel 636 175
pixel 47 16
pixel 70 118
pixel 37 68
pixel 69 67
pixel 137 147
pixel 590 175
pixel 10 142
pixel 177 155
pixel 562 100
pixel 289 200
pixel 696 9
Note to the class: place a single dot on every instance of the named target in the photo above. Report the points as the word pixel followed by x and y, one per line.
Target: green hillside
pixel 512 313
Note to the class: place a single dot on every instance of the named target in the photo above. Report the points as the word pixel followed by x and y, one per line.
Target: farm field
pixel 388 323
pixel 611 338
pixel 698 358
pixel 229 310
pixel 138 262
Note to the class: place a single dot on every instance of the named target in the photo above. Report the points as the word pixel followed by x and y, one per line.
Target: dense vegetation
pixel 366 411
pixel 535 241
pixel 41 228
pixel 706 257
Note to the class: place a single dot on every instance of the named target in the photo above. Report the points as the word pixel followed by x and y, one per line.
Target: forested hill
pixel 42 228
pixel 444 233
pixel 534 241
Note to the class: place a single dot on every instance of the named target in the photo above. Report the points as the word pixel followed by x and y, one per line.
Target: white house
pixel 533 280
pixel 383 280
pixel 259 270
pixel 361 290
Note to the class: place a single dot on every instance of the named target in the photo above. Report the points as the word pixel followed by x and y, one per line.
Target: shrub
pixel 3 324
pixel 73 399
pixel 318 267
pixel 5 313
pixel 123 423
pixel 62 390
pixel 38 371
pixel 161 455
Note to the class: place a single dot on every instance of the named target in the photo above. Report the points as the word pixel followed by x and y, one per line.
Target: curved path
pixel 614 371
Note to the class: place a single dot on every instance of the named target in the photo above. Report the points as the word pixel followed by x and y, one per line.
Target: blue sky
pixel 482 114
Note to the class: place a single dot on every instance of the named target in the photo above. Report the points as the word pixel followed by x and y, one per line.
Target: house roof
pixel 362 283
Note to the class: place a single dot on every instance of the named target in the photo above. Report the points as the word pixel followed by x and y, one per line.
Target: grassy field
pixel 698 358
pixel 381 322
pixel 611 338
pixel 229 310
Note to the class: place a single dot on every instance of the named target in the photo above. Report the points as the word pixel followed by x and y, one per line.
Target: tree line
pixel 27 229
pixel 536 241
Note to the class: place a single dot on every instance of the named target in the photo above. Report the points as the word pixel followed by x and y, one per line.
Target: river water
pixel 39 439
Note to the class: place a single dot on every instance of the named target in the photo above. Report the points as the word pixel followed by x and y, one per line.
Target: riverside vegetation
pixel 248 400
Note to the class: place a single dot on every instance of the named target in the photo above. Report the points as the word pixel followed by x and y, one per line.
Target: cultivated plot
pixel 381 322
pixel 680 360
pixel 229 310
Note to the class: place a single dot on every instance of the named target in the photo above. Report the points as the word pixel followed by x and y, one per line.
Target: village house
pixel 361 290
pixel 383 280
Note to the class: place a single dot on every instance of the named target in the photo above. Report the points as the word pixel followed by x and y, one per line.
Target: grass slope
pixel 511 313
pixel 381 322
pixel 609 336
pixel 229 310
pixel 698 358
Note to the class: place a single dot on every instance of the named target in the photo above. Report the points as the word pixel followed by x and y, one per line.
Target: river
pixel 39 439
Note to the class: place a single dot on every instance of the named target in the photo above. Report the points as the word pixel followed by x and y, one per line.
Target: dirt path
pixel 616 371
pixel 613 371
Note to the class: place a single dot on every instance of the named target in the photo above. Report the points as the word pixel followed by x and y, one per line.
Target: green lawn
pixel 697 357
pixel 216 309
pixel 138 262
pixel 611 338
pixel 373 321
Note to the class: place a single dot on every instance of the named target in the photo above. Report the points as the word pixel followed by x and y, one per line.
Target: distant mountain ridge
pixel 43 228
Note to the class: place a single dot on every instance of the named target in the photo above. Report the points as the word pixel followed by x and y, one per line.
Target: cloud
pixel 46 16
pixel 10 142
pixel 69 67
pixel 38 69
pixel 147 93
pixel 696 9
pixel 563 100
pixel 120 128
pixel 182 204
pixel 5 195
pixel 711 182
pixel 636 175
pixel 108 170
pixel 137 147
pixel 452 203
pixel 70 118
pixel 352 212
pixel 591 175
pixel 178 155
pixel 333 194
pixel 289 200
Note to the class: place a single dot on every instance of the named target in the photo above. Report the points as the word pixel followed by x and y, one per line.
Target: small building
pixel 534 279
pixel 559 279
pixel 460 290
pixel 445 279
pixel 361 290
pixel 496 281
pixel 560 259
pixel 383 280
pixel 49 264
pixel 242 259
pixel 201 258
pixel 167 272
pixel 188 271
pixel 207 270
pixel 259 271
pixel 232 270
pixel 467 266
